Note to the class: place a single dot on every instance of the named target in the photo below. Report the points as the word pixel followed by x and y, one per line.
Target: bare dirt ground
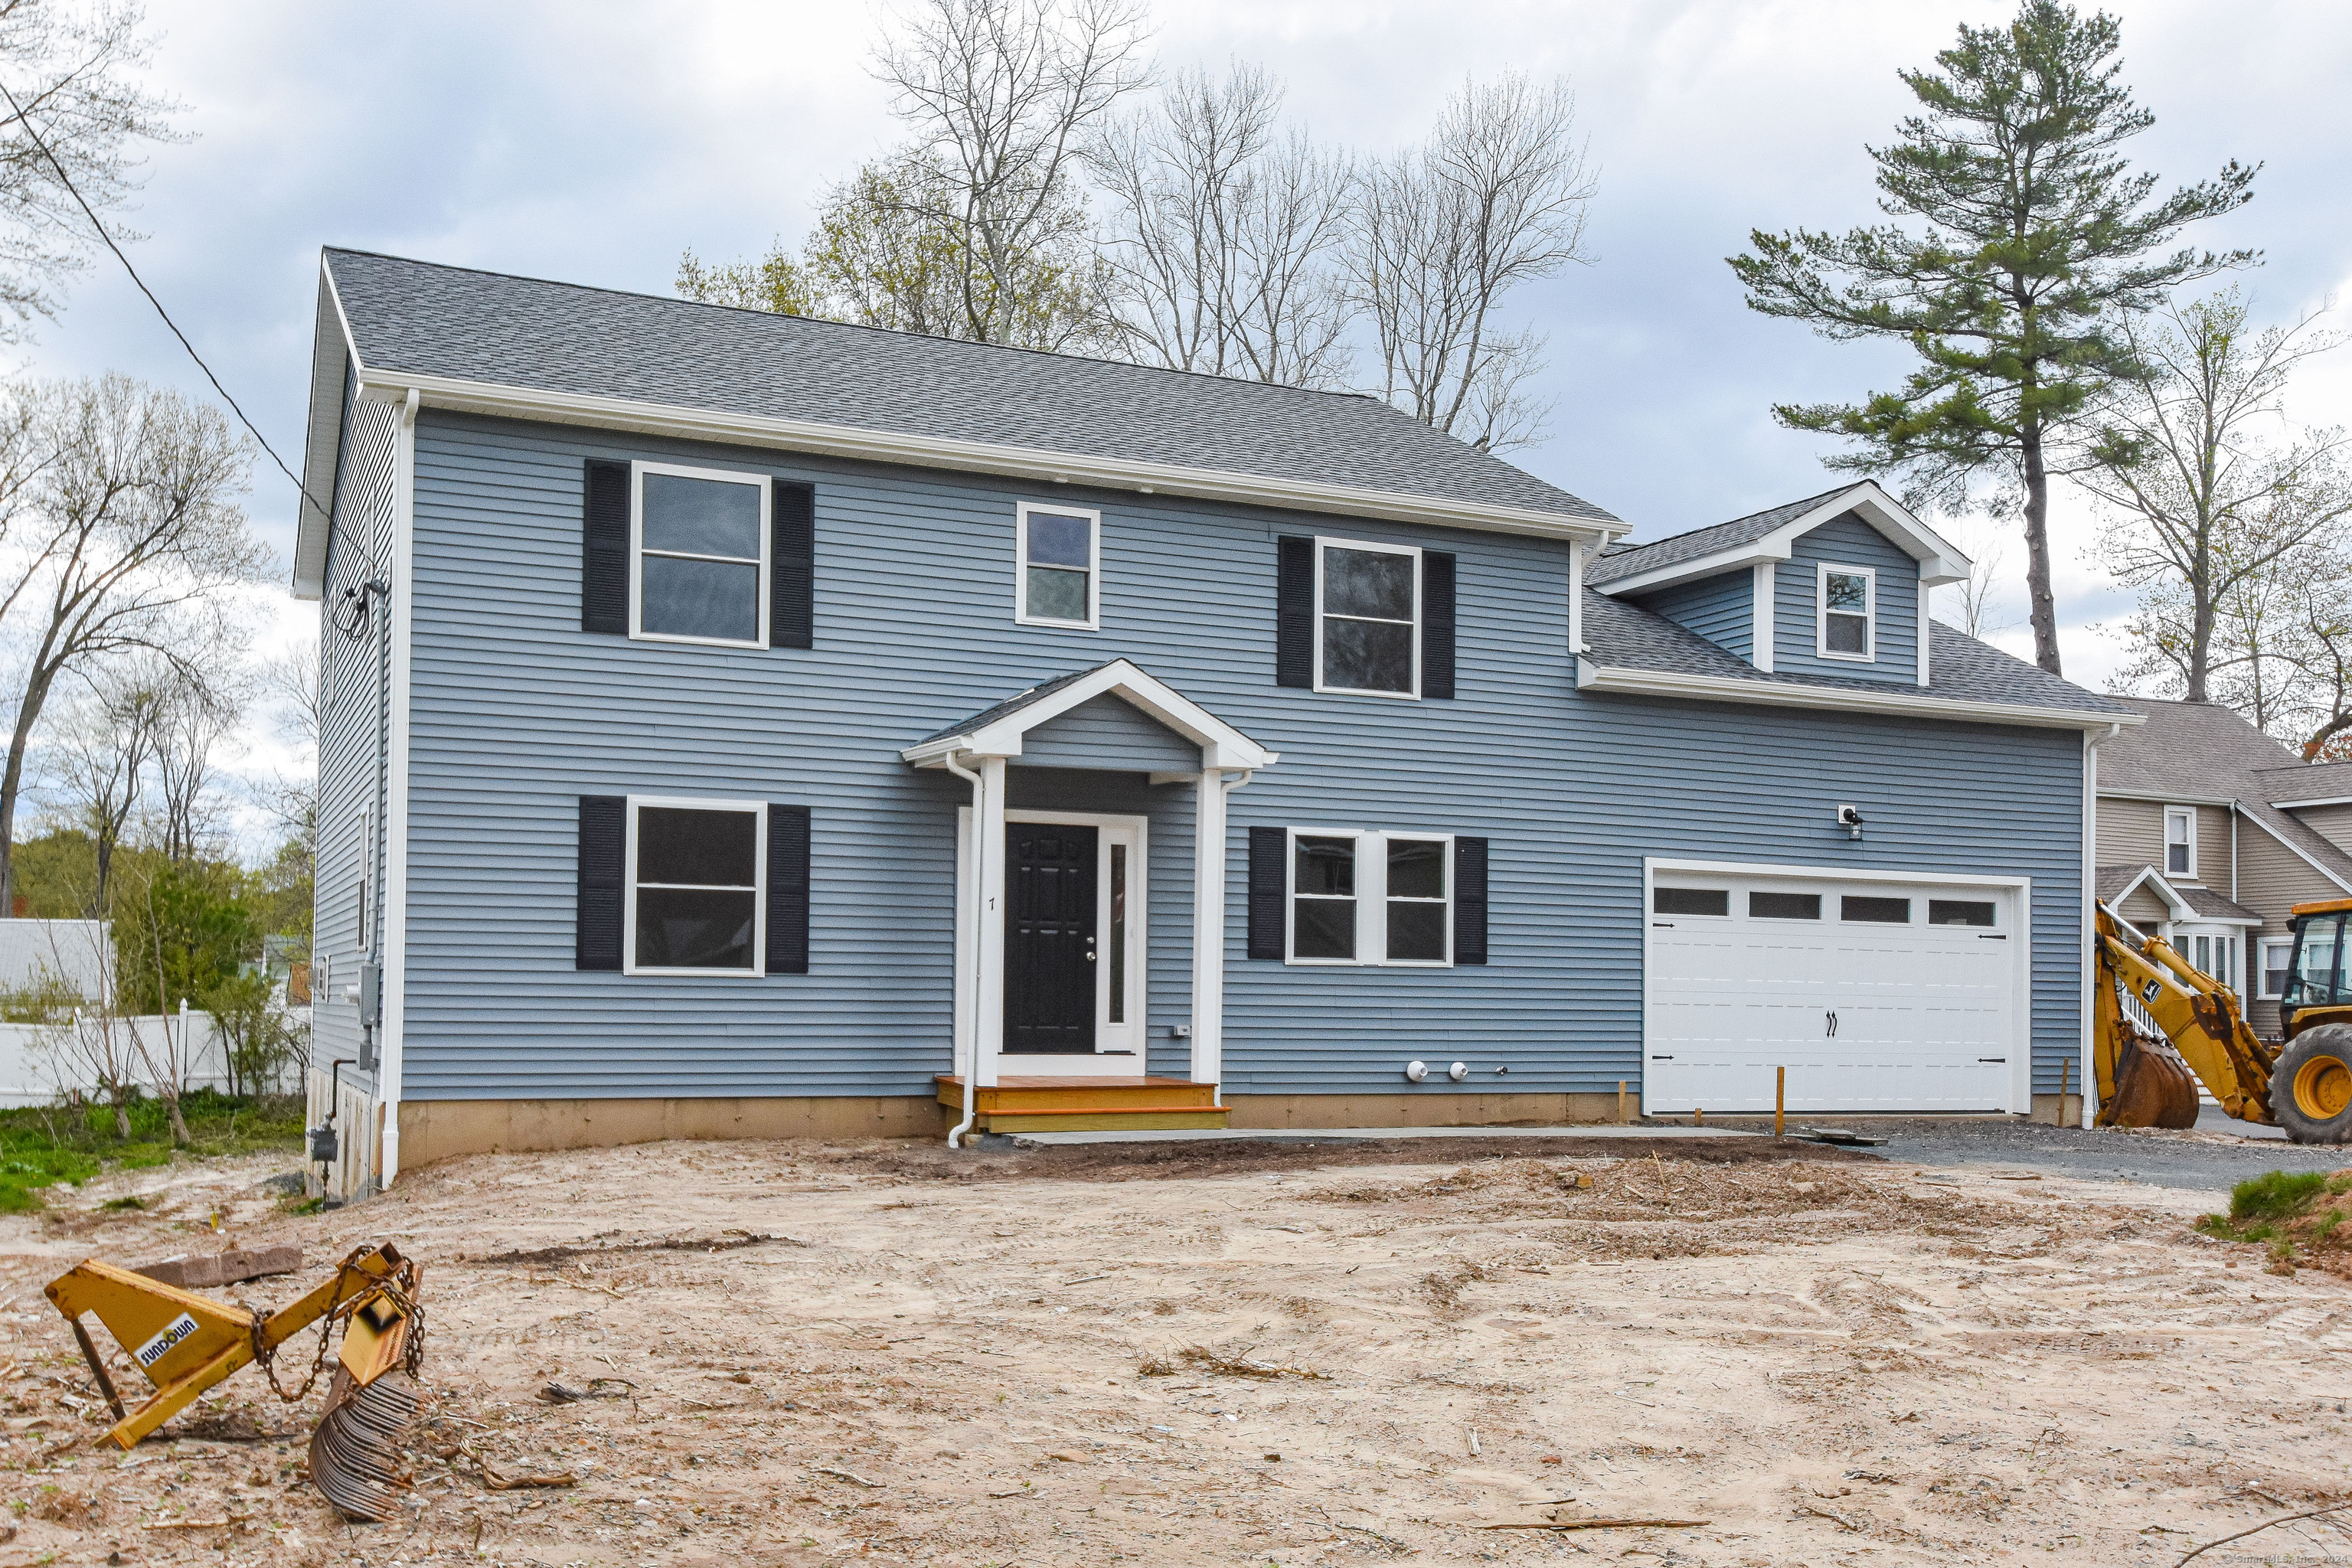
pixel 1268 1355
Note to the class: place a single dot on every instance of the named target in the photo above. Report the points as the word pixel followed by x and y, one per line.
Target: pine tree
pixel 2036 238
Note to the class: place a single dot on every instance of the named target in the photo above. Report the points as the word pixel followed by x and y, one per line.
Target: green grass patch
pixel 43 1145
pixel 2277 1195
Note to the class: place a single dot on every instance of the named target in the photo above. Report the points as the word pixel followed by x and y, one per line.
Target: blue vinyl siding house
pixel 736 723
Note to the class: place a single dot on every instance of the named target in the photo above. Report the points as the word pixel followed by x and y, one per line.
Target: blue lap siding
pixel 516 714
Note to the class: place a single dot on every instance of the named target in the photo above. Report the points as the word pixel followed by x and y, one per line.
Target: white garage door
pixel 1873 995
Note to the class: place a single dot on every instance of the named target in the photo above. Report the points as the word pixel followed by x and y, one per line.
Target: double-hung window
pixel 2180 841
pixel 696 886
pixel 1367 618
pixel 1061 567
pixel 1369 897
pixel 699 541
pixel 1849 618
pixel 2274 954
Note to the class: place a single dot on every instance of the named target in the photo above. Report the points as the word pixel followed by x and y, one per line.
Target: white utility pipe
pixel 979 915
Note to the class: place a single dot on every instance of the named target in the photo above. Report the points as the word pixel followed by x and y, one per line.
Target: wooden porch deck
pixel 1043 1104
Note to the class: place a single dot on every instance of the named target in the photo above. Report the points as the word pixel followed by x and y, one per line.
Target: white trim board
pixel 2020 1085
pixel 1896 702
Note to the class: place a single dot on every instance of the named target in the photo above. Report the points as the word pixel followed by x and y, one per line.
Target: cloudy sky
pixel 590 141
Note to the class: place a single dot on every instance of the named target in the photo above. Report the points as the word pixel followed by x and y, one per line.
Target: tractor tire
pixel 2311 1087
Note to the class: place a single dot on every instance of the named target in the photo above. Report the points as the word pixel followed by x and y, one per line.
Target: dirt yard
pixel 1261 1356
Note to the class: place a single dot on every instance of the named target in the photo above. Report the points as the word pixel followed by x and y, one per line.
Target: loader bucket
pixel 359 1432
pixel 2155 1087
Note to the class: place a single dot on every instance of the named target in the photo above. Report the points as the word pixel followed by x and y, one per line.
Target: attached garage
pixel 1878 992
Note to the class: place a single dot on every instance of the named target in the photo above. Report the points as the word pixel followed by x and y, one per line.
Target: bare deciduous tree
pixel 2207 498
pixel 1226 236
pixel 99 756
pixel 127 530
pixel 1000 95
pixel 203 702
pixel 70 70
pixel 1496 198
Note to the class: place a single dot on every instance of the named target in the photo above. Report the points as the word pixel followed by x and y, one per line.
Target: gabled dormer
pixel 1835 584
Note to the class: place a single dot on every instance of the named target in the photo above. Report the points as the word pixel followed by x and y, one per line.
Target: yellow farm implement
pixel 185 1343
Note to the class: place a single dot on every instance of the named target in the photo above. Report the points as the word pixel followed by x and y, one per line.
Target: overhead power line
pixel 66 180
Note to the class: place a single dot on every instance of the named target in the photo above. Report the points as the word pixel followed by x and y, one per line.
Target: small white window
pixel 2180 841
pixel 2276 952
pixel 1849 613
pixel 698 887
pixel 698 547
pixel 1367 618
pixel 1369 897
pixel 1060 550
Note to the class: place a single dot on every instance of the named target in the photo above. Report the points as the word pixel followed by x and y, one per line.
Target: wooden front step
pixel 1033 1103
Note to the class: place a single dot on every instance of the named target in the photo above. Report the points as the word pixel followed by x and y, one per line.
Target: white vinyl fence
pixel 41 1064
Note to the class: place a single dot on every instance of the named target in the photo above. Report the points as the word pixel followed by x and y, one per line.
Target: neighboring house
pixel 737 723
pixel 2210 832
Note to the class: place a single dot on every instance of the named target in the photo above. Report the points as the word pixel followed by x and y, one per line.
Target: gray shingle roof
pixel 1625 560
pixel 1960 668
pixel 454 321
pixel 1012 704
pixel 2306 781
pixel 2113 879
pixel 2201 751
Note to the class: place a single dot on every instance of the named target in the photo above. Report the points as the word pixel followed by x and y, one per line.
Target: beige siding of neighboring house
pixel 2143 908
pixel 2273 880
pixel 2333 822
pixel 2131 833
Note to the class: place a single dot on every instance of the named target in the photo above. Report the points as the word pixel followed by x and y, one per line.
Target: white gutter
pixel 2086 1069
pixel 979 912
pixel 1591 676
pixel 392 825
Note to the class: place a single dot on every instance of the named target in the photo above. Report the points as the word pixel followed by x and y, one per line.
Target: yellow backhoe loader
pixel 2303 1083
pixel 185 1343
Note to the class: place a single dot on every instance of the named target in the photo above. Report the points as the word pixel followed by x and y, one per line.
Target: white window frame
pixel 2182 814
pixel 638 472
pixel 759 811
pixel 1371 898
pixel 1021 567
pixel 2260 979
pixel 1869 575
pixel 1369 547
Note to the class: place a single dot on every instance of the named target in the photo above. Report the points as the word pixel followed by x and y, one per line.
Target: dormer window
pixel 1849 613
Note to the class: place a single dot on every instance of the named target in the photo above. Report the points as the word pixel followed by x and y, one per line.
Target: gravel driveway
pixel 2212 1156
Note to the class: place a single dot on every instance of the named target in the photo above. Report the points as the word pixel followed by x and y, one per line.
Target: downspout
pixel 393 1042
pixel 978 913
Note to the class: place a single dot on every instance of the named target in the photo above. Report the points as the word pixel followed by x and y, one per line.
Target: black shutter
pixel 1436 622
pixel 1469 900
pixel 604 549
pixel 1269 856
pixel 603 856
pixel 1293 612
pixel 792 567
pixel 788 889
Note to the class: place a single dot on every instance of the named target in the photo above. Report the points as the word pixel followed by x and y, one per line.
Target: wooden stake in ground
pixel 1780 1102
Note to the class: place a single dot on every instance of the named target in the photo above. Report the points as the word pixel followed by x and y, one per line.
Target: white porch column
pixel 988 1040
pixel 1208 927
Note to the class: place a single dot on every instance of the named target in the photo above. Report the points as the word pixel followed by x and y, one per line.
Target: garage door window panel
pixel 1874 910
pixel 1960 912
pixel 1765 906
pixel 1690 900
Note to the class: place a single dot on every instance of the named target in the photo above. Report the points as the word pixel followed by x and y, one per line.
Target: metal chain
pixel 400 1286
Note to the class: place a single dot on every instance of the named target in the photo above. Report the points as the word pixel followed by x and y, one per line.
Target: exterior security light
pixel 1850 818
pixel 1415 1071
pixel 1458 1071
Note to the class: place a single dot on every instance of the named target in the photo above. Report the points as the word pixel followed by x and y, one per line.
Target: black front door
pixel 1049 937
